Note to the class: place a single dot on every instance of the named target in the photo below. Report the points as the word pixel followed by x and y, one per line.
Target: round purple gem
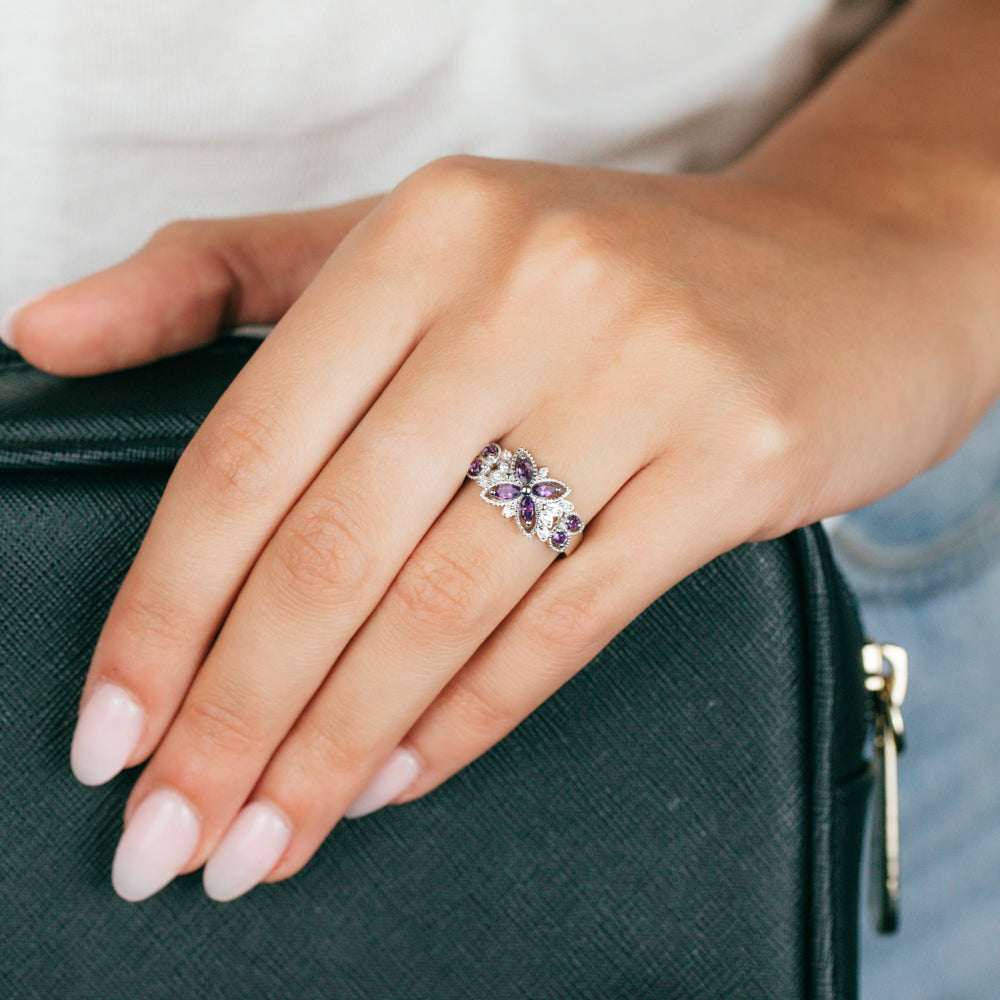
pixel 544 489
pixel 490 451
pixel 506 491
pixel 573 523
pixel 524 470
pixel 559 539
pixel 475 468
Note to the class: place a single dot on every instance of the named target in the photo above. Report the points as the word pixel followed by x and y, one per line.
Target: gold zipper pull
pixel 886 677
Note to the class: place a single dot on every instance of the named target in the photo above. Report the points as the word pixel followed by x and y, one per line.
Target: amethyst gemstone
pixel 528 513
pixel 573 523
pixel 475 468
pixel 547 490
pixel 490 450
pixel 524 470
pixel 559 539
pixel 506 491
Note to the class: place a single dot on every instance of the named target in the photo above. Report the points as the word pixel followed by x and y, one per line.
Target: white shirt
pixel 117 116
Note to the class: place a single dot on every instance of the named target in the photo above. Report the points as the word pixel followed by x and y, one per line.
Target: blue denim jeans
pixel 925 563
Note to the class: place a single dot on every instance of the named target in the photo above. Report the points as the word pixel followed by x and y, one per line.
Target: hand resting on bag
pixel 324 617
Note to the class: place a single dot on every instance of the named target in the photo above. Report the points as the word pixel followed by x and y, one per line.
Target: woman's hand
pixel 322 615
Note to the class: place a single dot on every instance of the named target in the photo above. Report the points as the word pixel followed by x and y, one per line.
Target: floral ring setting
pixel 525 492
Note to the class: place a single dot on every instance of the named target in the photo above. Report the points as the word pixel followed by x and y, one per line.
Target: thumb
pixel 191 280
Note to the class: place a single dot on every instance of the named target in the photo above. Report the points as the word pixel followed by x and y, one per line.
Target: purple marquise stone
pixel 547 490
pixel 475 468
pixel 506 491
pixel 524 470
pixel 559 539
pixel 528 512
pixel 573 523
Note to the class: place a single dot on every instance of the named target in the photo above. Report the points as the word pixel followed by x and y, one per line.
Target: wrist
pixel 905 132
pixel 944 197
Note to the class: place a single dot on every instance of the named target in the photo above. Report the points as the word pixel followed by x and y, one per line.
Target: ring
pixel 514 481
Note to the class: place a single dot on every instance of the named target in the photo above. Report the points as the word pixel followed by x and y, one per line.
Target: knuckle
pixel 151 618
pixel 325 549
pixel 568 269
pixel 766 438
pixel 208 263
pixel 770 476
pixel 216 728
pixel 754 411
pixel 481 713
pixel 329 750
pixel 568 250
pixel 453 189
pixel 565 623
pixel 438 591
pixel 205 241
pixel 758 428
pixel 236 458
pixel 179 233
pixel 455 176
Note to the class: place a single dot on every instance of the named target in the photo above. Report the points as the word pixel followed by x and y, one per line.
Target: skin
pixel 704 360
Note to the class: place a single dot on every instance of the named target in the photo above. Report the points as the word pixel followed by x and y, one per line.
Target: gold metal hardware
pixel 886 677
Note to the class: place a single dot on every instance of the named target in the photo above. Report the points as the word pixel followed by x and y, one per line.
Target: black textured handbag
pixel 683 819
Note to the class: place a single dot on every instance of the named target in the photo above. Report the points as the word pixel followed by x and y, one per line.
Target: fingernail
pixel 107 733
pixel 7 323
pixel 248 851
pixel 397 773
pixel 158 841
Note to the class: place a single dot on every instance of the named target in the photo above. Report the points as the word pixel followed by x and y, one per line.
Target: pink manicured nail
pixel 158 841
pixel 248 851
pixel 7 323
pixel 397 773
pixel 107 733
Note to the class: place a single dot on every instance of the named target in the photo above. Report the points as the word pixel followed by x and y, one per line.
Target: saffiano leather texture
pixel 681 820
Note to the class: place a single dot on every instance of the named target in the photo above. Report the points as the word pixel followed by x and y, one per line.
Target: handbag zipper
pixel 886 676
